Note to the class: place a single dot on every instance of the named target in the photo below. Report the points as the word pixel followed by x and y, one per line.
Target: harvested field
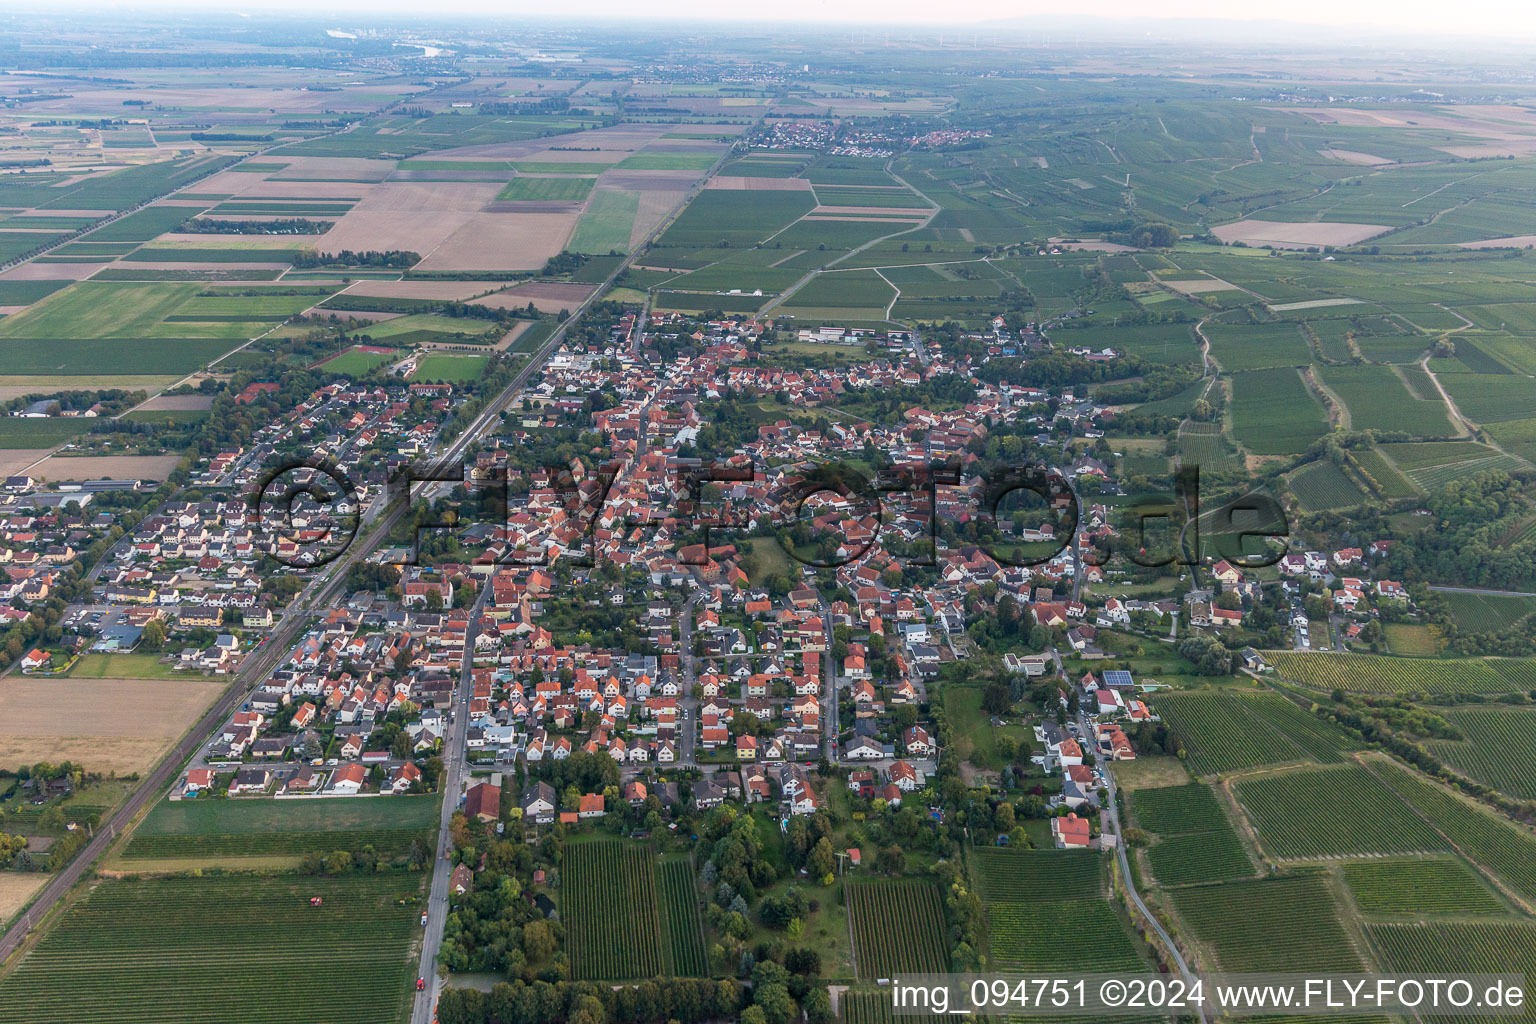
pixel 34 271
pixel 1287 307
pixel 1200 285
pixel 546 296
pixel 179 402
pixel 1512 242
pixel 1092 245
pixel 500 241
pixel 727 181
pixel 456 290
pixel 16 888
pixel 1349 156
pixel 44 719
pixel 413 216
pixel 117 467
pixel 14 460
pixel 1296 236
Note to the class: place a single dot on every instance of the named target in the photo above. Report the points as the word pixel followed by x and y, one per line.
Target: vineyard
pixel 1498 845
pixel 875 1008
pixel 898 928
pixel 1036 874
pixel 1377 673
pixel 1275 924
pixel 1482 947
pixel 1497 750
pixel 1224 731
pixel 224 947
pixel 1331 812
pixel 1486 613
pixel 1418 886
pixel 680 907
pixel 1196 841
pixel 608 904
pixel 1047 909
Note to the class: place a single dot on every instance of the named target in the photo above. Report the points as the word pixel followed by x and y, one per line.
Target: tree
pixel 154 634
pixel 821 861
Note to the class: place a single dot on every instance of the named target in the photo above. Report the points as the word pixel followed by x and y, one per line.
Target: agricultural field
pixel 596 878
pixel 898 928
pixel 1273 924
pixel 1378 399
pixel 1225 730
pixel 1374 673
pixel 1506 850
pixel 1495 750
pixel 1331 812
pixel 1321 486
pixel 450 368
pixel 1195 839
pixel 227 830
pixel 1487 613
pixel 166 949
pixel 527 189
pixel 1273 413
pixel 1489 947
pixel 607 224
pixel 1049 909
pixel 45 719
pixel 680 913
pixel 1257 346
pixel 1419 885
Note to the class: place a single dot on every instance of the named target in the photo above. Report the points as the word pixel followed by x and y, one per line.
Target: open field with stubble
pixel 48 719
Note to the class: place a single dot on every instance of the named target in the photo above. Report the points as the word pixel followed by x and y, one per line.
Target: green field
pixel 358 361
pixel 607 224
pixel 1378 399
pixel 1196 840
pixel 1373 673
pixel 1321 486
pixel 737 218
pixel 572 190
pixel 1257 346
pixel 1046 910
pixel 243 946
pixel 662 160
pixel 38 433
pixel 1487 613
pixel 122 666
pixel 680 914
pixel 451 369
pixel 1493 842
pixel 1331 812
pixel 1273 413
pixel 1439 948
pixel 1274 924
pixel 1224 731
pixel 1418 885
pixel 1497 748
pixel 598 877
pixel 224 829
pixel 898 928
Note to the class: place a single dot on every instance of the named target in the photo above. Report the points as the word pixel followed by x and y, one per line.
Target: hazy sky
pixel 1494 18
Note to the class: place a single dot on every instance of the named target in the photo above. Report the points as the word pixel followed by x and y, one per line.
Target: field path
pixel 932 213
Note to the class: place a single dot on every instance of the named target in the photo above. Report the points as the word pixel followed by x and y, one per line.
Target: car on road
pixel 423 918
pixel 421 984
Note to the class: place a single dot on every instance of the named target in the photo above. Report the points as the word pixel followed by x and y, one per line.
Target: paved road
pixel 1112 816
pixel 452 788
pixel 829 684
